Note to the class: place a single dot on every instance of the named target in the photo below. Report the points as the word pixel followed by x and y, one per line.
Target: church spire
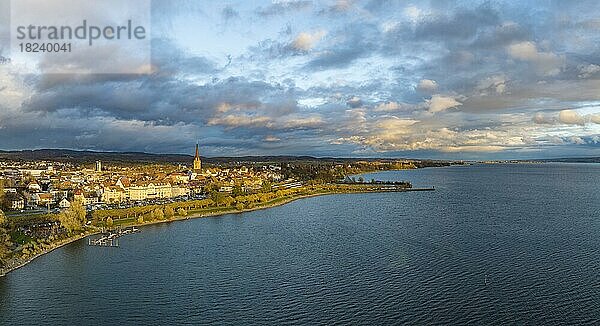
pixel 197 162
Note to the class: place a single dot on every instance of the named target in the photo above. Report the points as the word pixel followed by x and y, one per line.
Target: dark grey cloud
pixel 354 102
pixel 456 30
pixel 170 59
pixel 355 41
pixel 158 99
pixel 500 36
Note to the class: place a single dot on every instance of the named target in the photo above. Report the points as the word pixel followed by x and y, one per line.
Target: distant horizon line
pixel 205 156
pixel 289 155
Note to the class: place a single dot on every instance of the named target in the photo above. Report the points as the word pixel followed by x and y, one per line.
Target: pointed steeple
pixel 197 162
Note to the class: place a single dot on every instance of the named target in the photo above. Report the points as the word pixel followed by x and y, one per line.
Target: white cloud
pixel 439 103
pixel 389 26
pixel 306 41
pixel 223 107
pixel 576 140
pixel 391 133
pixel 287 122
pixel 523 51
pixel 547 63
pixel 571 117
pixel 412 13
pixel 312 102
pixel 343 5
pixel 586 71
pixel 556 140
pixel 595 118
pixel 542 119
pixel 393 124
pixel 427 85
pixel 500 88
pixel 300 122
pixel 388 106
pixel 235 121
pixel 475 148
pixel 13 89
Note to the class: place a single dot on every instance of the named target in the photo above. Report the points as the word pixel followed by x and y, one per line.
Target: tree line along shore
pixel 24 238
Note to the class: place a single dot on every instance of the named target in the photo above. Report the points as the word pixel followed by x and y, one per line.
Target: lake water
pixel 494 244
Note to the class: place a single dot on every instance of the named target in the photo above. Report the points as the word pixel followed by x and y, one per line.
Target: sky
pixel 344 78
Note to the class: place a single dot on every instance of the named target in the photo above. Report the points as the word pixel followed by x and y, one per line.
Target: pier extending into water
pixel 392 188
pixel 110 238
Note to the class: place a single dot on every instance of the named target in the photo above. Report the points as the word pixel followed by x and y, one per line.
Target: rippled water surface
pixel 501 244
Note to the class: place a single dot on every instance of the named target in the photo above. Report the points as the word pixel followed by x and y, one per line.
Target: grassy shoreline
pixel 16 263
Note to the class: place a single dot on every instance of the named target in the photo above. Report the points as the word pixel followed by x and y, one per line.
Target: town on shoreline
pixel 47 204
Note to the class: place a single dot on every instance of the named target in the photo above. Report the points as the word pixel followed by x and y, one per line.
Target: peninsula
pixel 49 203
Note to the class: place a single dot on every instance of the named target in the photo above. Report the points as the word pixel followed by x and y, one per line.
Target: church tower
pixel 197 162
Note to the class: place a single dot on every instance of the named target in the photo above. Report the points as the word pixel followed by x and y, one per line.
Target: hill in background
pixel 83 157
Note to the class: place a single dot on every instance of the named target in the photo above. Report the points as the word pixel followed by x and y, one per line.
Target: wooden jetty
pixel 110 238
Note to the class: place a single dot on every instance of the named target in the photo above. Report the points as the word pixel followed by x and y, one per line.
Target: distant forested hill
pixel 63 155
pixel 78 157
pixel 574 160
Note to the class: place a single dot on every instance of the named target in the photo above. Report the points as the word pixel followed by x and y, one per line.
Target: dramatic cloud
pixel 440 79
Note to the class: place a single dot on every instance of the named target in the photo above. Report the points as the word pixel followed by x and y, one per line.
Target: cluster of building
pixel 55 185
